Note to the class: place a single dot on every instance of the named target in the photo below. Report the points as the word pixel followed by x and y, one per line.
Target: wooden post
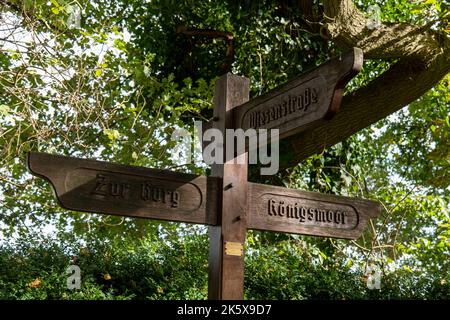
pixel 226 252
pixel 232 204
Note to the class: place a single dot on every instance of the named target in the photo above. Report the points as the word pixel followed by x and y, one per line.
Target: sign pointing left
pixel 102 187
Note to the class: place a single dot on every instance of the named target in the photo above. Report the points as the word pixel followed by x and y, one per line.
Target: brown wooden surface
pixel 294 211
pixel 226 266
pixel 206 125
pixel 303 102
pixel 102 187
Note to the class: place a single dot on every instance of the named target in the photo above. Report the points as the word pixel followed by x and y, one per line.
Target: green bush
pixel 290 269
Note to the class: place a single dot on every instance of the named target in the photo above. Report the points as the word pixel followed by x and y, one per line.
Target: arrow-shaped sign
pixel 295 211
pixel 102 187
pixel 302 102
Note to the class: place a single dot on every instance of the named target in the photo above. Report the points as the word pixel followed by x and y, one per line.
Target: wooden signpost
pixel 225 201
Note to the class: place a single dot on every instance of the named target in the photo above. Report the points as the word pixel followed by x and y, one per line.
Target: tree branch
pixel 423 60
pixel 209 33
pixel 389 41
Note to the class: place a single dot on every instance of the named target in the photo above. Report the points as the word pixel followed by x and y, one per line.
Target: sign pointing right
pixel 295 211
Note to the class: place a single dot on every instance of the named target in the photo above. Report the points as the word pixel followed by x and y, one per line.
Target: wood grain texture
pixel 294 211
pixel 303 102
pixel 226 271
pixel 102 187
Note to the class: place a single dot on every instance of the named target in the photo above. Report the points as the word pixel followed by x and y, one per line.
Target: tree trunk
pixel 423 59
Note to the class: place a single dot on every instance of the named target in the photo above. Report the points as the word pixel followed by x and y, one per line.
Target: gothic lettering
pixel 296 211
pixel 157 194
pixel 289 105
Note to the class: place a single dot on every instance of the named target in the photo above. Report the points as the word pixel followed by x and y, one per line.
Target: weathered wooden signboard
pixel 102 187
pixel 295 211
pixel 302 102
pixel 226 202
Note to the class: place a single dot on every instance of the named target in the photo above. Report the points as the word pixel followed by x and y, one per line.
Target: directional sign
pixel 102 187
pixel 295 211
pixel 226 202
pixel 302 102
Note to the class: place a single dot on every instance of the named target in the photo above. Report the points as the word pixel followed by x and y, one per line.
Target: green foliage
pixel 427 12
pixel 418 139
pixel 116 88
pixel 175 269
pixel 295 270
